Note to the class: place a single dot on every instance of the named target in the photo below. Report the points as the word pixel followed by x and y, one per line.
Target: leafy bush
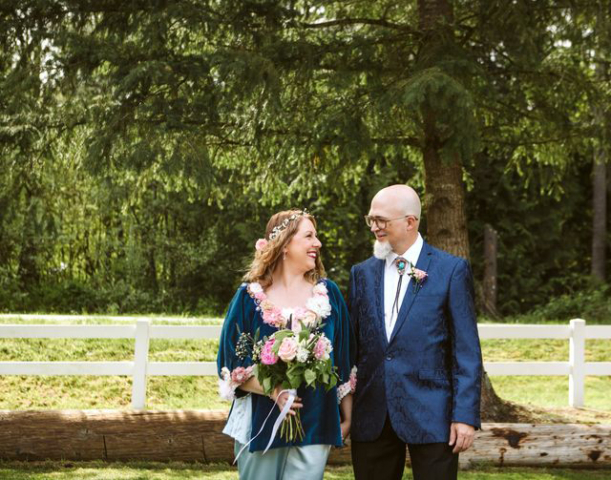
pixel 592 303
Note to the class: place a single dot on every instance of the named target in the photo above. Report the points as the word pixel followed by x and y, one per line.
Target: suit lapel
pixel 410 295
pixel 379 298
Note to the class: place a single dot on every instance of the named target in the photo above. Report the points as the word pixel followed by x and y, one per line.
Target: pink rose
pixel 261 244
pixel 296 326
pixel 419 275
pixel 299 316
pixel 260 296
pixel 288 349
pixel 352 380
pixel 268 357
pixel 322 349
pixel 240 375
pixel 273 316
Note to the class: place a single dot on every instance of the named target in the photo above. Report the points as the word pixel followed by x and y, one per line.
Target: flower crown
pixel 278 229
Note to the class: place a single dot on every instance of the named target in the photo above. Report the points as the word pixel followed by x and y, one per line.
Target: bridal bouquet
pixel 291 359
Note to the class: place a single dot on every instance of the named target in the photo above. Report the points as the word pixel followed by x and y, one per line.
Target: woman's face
pixel 304 247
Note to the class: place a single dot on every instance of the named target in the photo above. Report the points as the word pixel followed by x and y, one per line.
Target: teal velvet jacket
pixel 320 414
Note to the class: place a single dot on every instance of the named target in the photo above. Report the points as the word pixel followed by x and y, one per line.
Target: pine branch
pixel 360 21
pixel 543 141
pixel 409 141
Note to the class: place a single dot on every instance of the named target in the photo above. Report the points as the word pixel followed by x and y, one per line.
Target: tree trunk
pixel 445 203
pixel 599 227
pixel 490 271
pixel 445 192
pixel 599 194
pixel 28 270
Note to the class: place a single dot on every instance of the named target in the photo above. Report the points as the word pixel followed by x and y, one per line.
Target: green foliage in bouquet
pixel 291 359
pixel 294 359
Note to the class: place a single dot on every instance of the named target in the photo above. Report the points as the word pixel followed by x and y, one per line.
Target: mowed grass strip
pixel 182 471
pixel 541 350
pixel 547 391
pixel 104 350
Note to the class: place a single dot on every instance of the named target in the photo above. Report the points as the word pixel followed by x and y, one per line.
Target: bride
pixel 286 279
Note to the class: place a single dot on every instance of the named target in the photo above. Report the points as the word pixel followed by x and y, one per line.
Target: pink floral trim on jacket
pixel 316 309
pixel 229 381
pixel 348 387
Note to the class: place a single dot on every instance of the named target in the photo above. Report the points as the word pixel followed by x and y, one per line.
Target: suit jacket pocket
pixel 433 374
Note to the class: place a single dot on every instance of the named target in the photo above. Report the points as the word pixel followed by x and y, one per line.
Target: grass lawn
pixel 181 471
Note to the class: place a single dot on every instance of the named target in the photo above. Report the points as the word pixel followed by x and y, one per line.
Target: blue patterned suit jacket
pixel 429 373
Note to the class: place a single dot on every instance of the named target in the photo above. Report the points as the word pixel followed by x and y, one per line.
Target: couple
pixel 411 334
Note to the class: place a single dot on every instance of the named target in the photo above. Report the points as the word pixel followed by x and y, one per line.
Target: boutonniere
pixel 418 276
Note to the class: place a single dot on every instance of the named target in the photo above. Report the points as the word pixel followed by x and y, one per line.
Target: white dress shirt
pixel 391 280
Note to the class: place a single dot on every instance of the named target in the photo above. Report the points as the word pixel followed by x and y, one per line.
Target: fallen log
pixel 196 435
pixel 571 445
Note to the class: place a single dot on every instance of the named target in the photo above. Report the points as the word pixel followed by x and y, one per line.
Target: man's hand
pixel 461 436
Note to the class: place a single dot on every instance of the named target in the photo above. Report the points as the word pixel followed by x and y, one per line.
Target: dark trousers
pixel 384 458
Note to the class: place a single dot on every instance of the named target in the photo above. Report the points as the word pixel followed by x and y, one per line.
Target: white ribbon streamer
pixel 287 406
pixel 282 416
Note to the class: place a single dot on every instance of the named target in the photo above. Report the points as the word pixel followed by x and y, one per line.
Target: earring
pixel 284 256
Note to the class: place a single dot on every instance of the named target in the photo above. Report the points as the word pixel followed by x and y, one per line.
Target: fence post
pixel 141 353
pixel 577 362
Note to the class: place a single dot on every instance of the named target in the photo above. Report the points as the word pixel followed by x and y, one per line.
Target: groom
pixel 418 355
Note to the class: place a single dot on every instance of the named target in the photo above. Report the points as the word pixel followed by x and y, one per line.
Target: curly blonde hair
pixel 267 260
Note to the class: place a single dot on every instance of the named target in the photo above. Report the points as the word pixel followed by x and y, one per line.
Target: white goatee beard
pixel 381 250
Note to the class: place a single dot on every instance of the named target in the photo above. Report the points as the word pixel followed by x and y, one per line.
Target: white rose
pixel 310 319
pixel 320 289
pixel 319 305
pixel 256 288
pixel 302 354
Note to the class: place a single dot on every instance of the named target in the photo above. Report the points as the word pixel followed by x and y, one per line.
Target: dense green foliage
pixel 143 145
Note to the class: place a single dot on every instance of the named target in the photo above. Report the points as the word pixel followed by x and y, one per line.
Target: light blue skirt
pixel 288 463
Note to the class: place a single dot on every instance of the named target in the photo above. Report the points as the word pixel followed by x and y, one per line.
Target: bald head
pixel 401 198
pixel 394 218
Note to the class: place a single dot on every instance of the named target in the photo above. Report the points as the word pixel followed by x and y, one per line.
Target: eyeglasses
pixel 382 223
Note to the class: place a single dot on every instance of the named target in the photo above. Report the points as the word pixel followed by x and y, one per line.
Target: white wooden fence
pixel 142 331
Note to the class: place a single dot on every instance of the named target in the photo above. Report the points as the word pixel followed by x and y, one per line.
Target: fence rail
pixel 143 331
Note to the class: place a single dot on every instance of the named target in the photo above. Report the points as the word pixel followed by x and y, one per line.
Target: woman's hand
pixel 345 428
pixel 282 399
pixel 345 408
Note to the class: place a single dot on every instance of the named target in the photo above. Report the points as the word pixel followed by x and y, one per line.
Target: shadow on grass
pixel 98 470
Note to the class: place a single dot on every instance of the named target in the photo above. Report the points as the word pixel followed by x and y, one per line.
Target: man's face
pixel 395 230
